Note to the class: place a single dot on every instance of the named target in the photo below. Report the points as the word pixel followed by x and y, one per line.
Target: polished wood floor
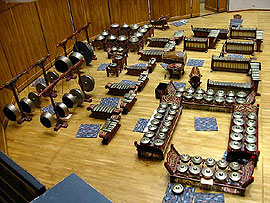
pixel 115 170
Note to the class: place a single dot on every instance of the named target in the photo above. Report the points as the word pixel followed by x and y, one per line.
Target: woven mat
pixel 88 131
pixel 208 198
pixel 128 82
pixel 102 66
pixel 185 197
pixel 140 125
pixel 205 124
pixel 110 101
pixel 49 109
pixel 195 62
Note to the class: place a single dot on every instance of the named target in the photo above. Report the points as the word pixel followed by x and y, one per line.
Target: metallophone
pixel 196 44
pixel 135 69
pixel 103 111
pixel 161 22
pixel 128 101
pixel 259 40
pixel 230 64
pixel 195 77
pixel 151 65
pixel 157 42
pixel 204 32
pixel 166 57
pixel 255 68
pixel 166 43
pixel 170 46
pixel 209 174
pixel 239 47
pixel 120 89
pixel 162 124
pixel 236 21
pixel 213 38
pixel 243 134
pixel 142 81
pixel 109 129
pixel 151 53
pixel 178 36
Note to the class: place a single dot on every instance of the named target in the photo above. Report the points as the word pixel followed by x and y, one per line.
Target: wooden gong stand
pixel 63 44
pixel 59 123
pixel 12 84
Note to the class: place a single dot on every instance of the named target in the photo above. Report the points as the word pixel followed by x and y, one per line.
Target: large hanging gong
pixel 75 57
pixel 40 87
pixel 85 49
pixel 11 112
pixel 87 83
pixel 70 100
pixel 52 76
pixel 79 94
pixel 27 105
pixel 62 109
pixel 47 119
pixel 62 64
pixel 35 98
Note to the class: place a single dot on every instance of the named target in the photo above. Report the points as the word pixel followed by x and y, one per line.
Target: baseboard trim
pixel 210 8
pixel 249 9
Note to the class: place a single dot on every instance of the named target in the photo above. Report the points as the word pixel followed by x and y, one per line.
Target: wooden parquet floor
pixel 115 170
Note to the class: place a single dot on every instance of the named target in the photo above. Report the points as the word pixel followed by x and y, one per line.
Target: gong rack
pixel 11 85
pixel 63 44
pixel 59 123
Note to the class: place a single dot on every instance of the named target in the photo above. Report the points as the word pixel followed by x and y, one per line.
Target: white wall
pixel 248 4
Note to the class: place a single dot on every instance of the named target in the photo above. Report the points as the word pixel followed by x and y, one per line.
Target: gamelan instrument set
pixel 233 174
